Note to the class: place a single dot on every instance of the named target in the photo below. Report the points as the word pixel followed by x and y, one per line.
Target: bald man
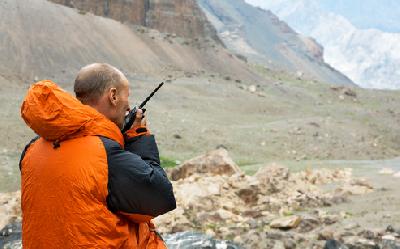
pixel 84 184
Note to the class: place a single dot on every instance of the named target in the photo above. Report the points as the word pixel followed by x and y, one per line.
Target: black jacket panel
pixel 25 149
pixel 136 182
pixel 145 147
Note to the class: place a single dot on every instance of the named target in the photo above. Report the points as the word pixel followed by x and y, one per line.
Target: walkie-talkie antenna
pixel 130 118
pixel 151 95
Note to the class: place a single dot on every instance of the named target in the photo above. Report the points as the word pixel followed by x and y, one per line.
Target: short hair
pixel 92 80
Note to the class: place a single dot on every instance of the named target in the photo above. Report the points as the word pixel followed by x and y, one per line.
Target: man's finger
pixel 144 122
pixel 139 114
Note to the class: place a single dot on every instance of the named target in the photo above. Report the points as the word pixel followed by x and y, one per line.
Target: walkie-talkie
pixel 130 118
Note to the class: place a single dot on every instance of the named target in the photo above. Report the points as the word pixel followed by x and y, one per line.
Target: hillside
pixel 263 38
pixel 45 40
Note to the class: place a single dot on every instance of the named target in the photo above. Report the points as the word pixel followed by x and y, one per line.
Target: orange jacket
pixel 83 184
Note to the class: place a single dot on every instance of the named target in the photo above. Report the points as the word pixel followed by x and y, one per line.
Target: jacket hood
pixel 55 115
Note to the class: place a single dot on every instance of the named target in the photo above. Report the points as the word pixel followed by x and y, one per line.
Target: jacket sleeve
pixel 137 186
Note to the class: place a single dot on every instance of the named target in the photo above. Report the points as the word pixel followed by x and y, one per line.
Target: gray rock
pixel 190 240
pixel 325 234
pixel 334 244
pixel 10 236
pixel 390 229
pixel 308 224
pixel 289 244
pixel 390 244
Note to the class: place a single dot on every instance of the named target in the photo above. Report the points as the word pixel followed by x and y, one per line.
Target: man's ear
pixel 112 94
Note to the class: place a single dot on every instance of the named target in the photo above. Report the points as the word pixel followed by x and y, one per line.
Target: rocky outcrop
pixel 182 17
pixel 275 208
pixel 258 211
pixel 216 162
pixel 10 209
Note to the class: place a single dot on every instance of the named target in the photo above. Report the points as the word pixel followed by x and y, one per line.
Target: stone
pixel 238 239
pixel 216 162
pixel 325 234
pixel 334 244
pixel 308 224
pixel 210 232
pixel 279 245
pixel 188 240
pixel 390 229
pixel 286 222
pixel 272 178
pixel 252 88
pixel 224 215
pixel 249 194
pixel 351 226
pixel 10 207
pixel 368 234
pixel 359 243
pixel 390 244
pixel 329 219
pixel 289 244
pixel 388 237
pixel 361 182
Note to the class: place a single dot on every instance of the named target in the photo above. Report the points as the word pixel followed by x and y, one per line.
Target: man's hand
pixel 140 120
pixel 139 126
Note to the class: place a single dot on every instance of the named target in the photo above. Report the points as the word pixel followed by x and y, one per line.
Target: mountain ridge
pixel 370 57
pixel 264 38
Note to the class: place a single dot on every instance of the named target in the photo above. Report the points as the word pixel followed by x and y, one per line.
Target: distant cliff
pixel 182 17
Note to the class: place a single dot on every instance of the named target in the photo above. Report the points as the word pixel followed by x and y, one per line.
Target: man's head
pixel 106 89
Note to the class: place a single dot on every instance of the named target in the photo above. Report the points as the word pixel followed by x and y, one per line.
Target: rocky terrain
pixel 274 208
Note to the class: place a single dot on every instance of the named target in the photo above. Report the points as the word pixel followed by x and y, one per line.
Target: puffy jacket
pixel 83 184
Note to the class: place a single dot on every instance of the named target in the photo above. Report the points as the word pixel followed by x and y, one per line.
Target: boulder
pixel 286 222
pixel 216 162
pixel 308 223
pixel 334 244
pixel 325 234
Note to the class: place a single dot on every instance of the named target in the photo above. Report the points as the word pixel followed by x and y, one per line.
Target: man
pixel 85 184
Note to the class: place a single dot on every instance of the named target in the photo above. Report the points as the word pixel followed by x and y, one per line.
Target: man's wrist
pixel 137 131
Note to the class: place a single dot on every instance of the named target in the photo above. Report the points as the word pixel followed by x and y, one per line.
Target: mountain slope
pixel 263 38
pixel 40 39
pixel 369 57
